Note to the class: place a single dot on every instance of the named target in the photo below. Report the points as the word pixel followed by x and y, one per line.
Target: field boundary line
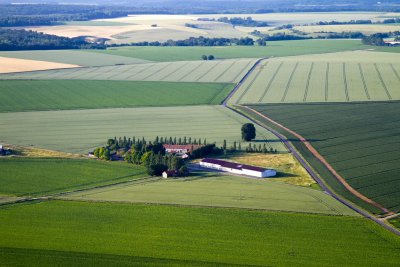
pixel 323 161
pixel 382 81
pixel 240 83
pixel 270 82
pixel 308 82
pixel 250 84
pixel 315 175
pixel 289 82
pixel 140 71
pixel 243 70
pixel 190 70
pixel 327 81
pixel 346 89
pixel 363 81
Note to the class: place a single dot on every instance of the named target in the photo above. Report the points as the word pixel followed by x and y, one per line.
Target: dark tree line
pixel 30 40
pixel 246 22
pixel 196 41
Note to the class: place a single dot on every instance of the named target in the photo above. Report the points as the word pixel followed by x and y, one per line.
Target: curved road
pixel 304 163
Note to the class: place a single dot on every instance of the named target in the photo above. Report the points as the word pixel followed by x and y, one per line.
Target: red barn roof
pixel 179 147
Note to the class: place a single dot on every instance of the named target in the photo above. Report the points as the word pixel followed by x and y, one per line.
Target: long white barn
pixel 237 168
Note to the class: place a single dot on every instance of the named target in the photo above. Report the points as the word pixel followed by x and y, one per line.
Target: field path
pixel 306 165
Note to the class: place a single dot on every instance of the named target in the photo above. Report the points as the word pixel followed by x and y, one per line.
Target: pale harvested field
pixel 364 28
pixel 334 77
pixel 96 31
pixel 11 65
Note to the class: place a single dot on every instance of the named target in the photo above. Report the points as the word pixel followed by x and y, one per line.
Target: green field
pixel 221 191
pixel 26 95
pixel 360 140
pixel 276 49
pixel 81 130
pixel 336 77
pixel 77 57
pixel 221 71
pixel 71 233
pixel 34 176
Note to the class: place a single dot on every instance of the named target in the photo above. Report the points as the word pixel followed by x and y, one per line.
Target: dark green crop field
pixel 30 95
pixel 35 176
pixel 277 49
pixel 360 140
pixel 58 233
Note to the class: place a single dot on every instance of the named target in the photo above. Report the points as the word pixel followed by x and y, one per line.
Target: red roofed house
pixel 237 168
pixel 180 149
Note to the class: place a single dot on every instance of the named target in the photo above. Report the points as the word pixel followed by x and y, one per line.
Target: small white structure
pixel 237 168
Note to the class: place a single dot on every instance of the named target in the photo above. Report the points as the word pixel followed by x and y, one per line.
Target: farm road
pixel 306 165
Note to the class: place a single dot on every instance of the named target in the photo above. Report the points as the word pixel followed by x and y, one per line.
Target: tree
pixel 156 169
pixel 204 57
pixel 248 132
pixel 210 57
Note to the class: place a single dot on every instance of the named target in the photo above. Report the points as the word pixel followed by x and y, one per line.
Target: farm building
pixel 168 174
pixel 180 149
pixel 237 168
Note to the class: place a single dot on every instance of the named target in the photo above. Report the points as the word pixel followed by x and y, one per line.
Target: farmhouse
pixel 237 168
pixel 180 149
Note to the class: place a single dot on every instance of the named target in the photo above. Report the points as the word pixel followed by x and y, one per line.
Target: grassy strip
pixel 30 95
pixel 39 176
pixel 180 235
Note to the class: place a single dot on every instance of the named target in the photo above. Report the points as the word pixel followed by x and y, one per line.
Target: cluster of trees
pixel 30 40
pixel 246 22
pixel 209 57
pixel 374 39
pixel 334 22
pixel 253 148
pixel 196 41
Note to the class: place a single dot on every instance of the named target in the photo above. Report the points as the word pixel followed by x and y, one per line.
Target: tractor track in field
pixel 305 164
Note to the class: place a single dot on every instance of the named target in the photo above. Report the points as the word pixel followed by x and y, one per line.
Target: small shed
pixel 168 174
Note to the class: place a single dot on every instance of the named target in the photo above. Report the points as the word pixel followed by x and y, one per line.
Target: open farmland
pixel 9 65
pixel 74 57
pixel 38 176
pixel 363 147
pixel 130 235
pixel 364 28
pixel 221 191
pixel 27 95
pixel 277 48
pixel 336 77
pixel 221 71
pixel 81 130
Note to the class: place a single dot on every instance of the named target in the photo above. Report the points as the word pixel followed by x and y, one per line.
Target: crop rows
pixel 227 71
pixel 363 148
pixel 81 130
pixel 316 81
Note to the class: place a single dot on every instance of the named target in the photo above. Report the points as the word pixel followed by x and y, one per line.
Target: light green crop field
pixel 77 57
pixel 221 191
pixel 222 71
pixel 81 130
pixel 34 176
pixel 278 48
pixel 336 77
pixel 27 95
pixel 67 233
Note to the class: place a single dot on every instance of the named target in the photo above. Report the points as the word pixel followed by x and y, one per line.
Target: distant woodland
pixel 30 40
